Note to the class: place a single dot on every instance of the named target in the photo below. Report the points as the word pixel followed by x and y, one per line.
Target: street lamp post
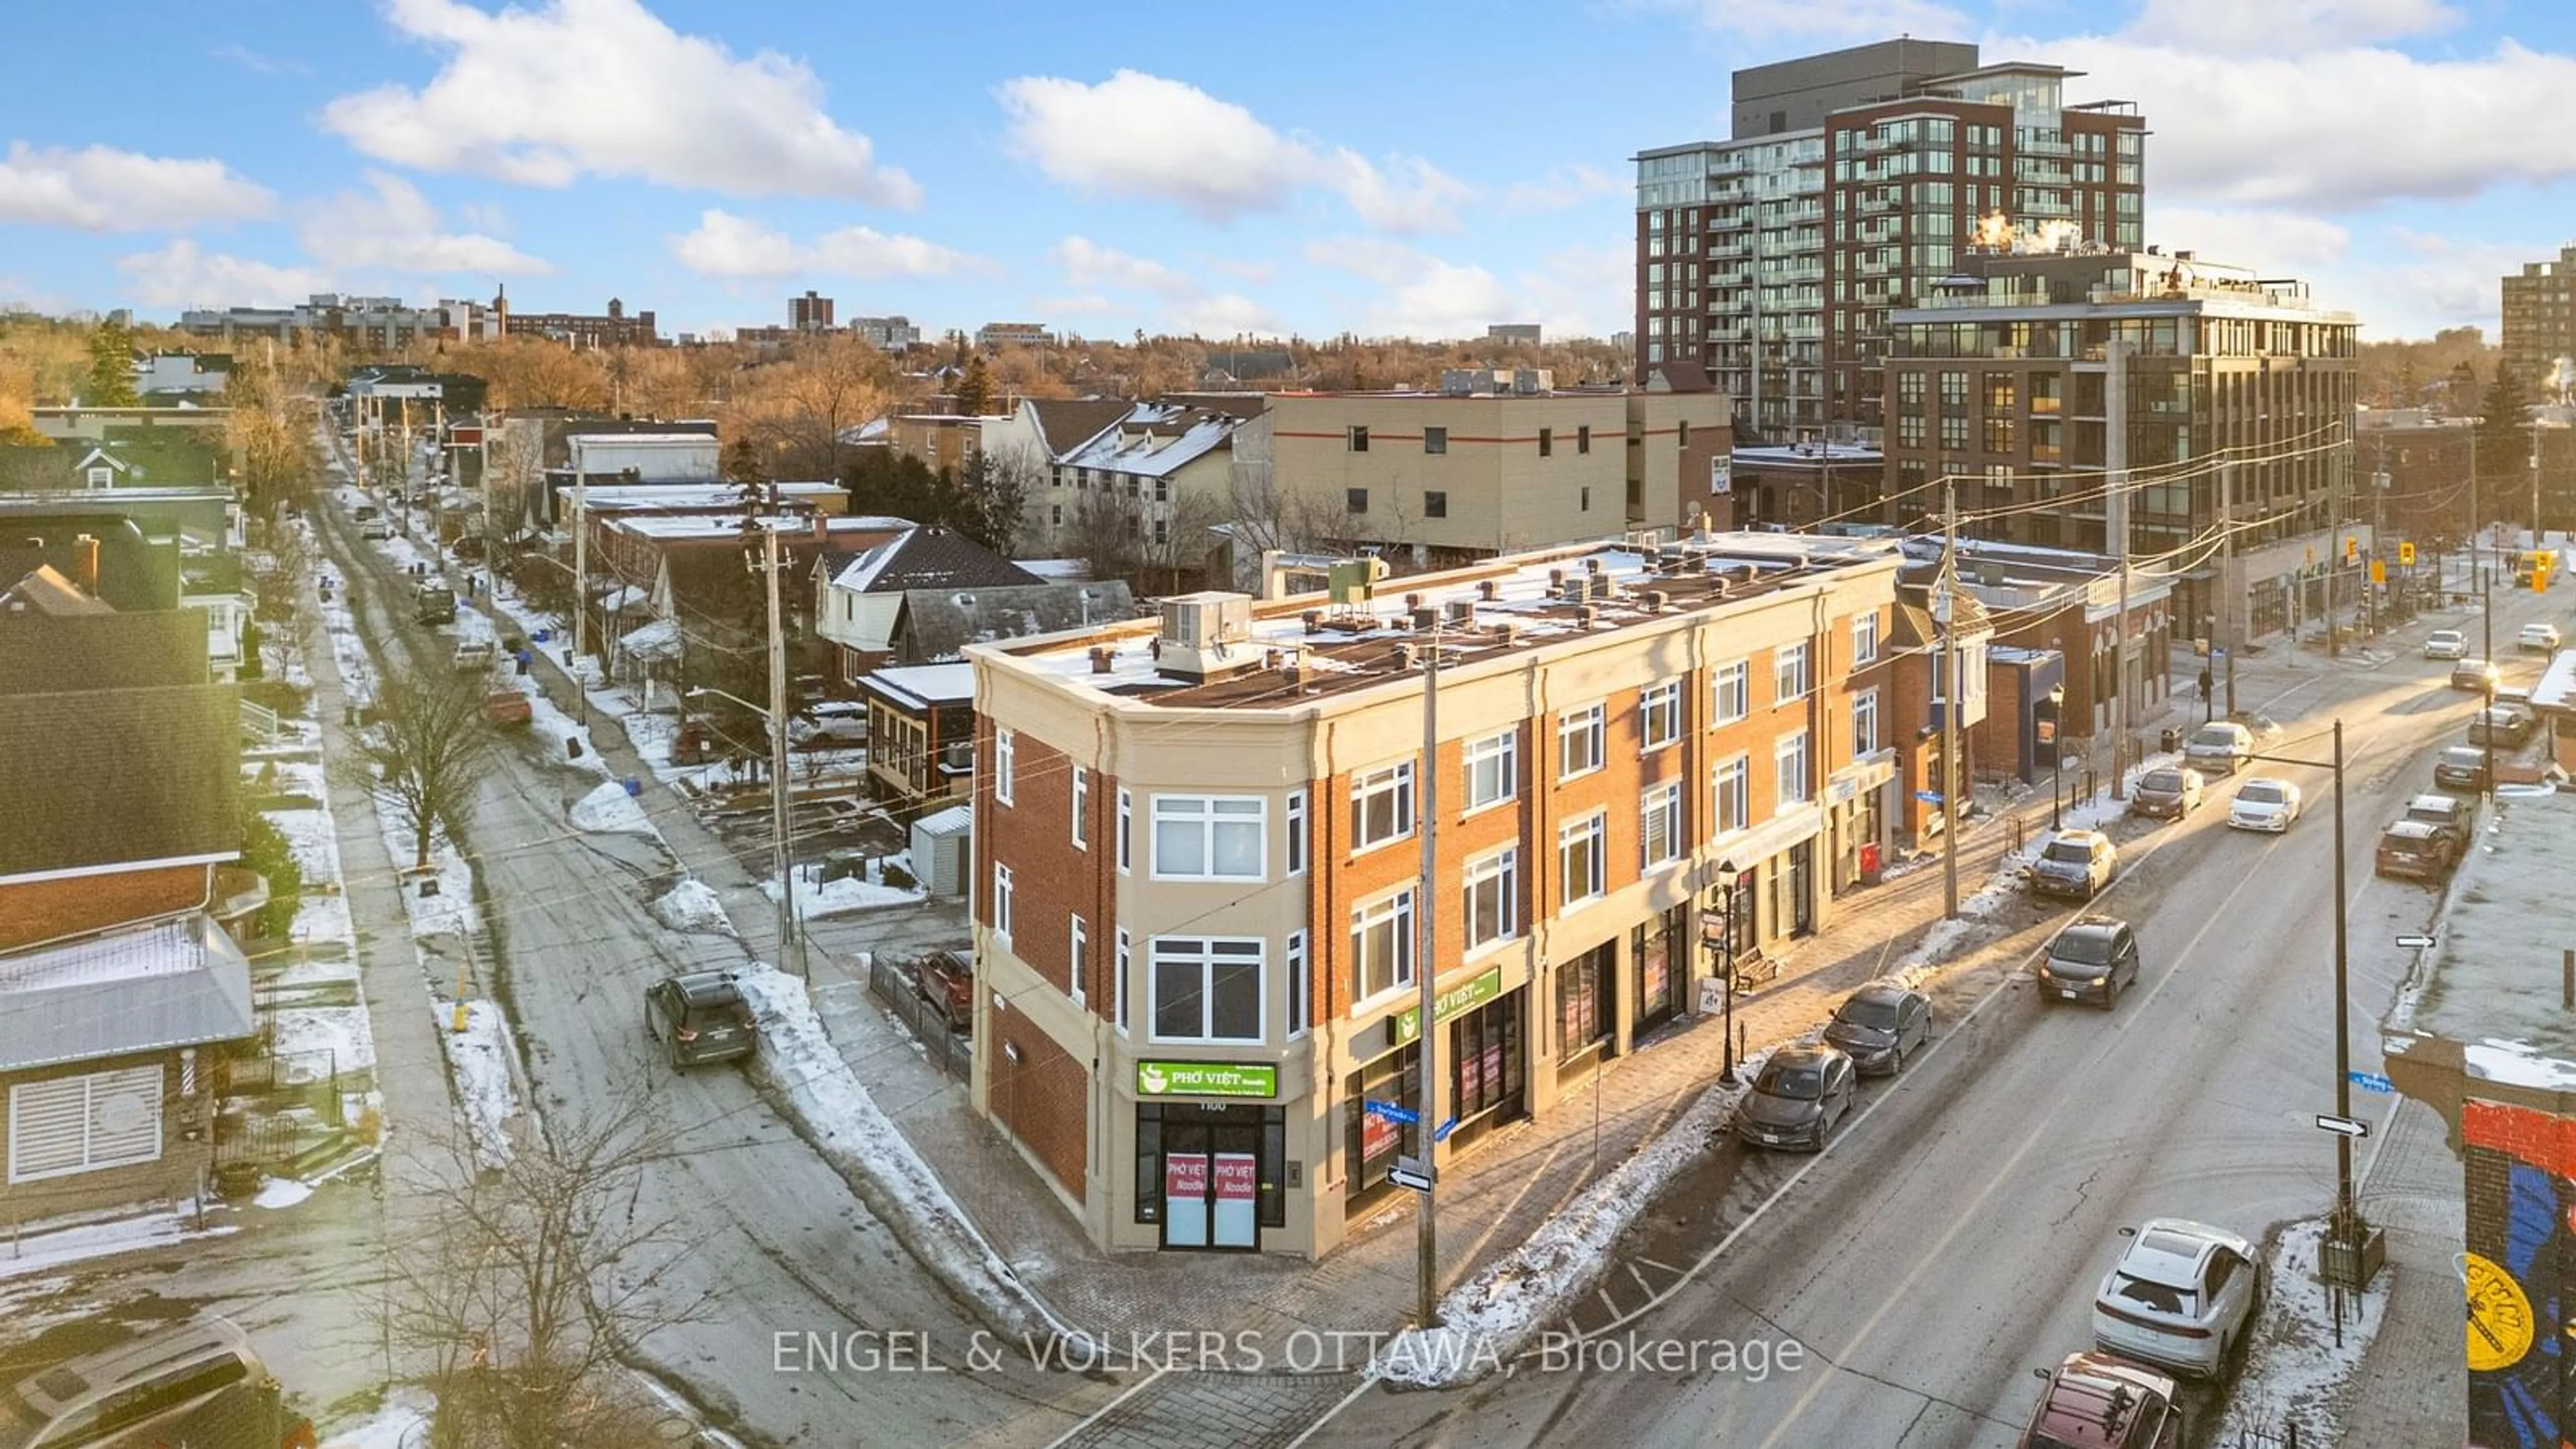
pixel 1722 944
pixel 782 849
pixel 2348 1228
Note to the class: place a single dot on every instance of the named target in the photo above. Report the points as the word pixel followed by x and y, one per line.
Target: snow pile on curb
pixel 2293 1370
pixel 281 1192
pixel 801 1072
pixel 478 1058
pixel 692 906
pixel 1487 1319
pixel 38 1249
pixel 609 810
pixel 403 1421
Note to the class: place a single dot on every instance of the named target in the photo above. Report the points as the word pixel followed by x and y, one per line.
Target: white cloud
pixel 1579 291
pixel 1088 264
pixel 99 188
pixel 1245 271
pixel 2277 26
pixel 1860 20
pixel 396 229
pixel 2271 242
pixel 2337 129
pixel 542 96
pixel 1088 304
pixel 184 274
pixel 1566 186
pixel 1226 314
pixel 1140 135
pixel 726 245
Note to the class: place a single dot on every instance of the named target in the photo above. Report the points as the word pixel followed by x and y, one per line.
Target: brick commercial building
pixel 1198 858
pixel 2486 1042
pixel 2035 378
pixel 1853 178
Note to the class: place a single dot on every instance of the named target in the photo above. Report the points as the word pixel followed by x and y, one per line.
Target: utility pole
pixel 2379 550
pixel 1950 691
pixel 2346 1214
pixel 2535 485
pixel 781 805
pixel 2115 518
pixel 2476 523
pixel 581 586
pixel 1426 972
pixel 2227 590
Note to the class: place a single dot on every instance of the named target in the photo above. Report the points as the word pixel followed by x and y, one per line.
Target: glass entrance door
pixel 1211 1185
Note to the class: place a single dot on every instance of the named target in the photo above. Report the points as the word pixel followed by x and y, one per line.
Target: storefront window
pixel 1371 1143
pixel 1583 1003
pixel 1212 1139
pixel 1657 947
pixel 1487 1085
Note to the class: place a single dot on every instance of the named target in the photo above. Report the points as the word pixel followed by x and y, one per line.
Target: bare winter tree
pixel 423 754
pixel 535 1278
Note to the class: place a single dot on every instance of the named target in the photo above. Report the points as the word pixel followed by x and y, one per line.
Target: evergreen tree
pixel 111 368
pixel 2504 430
pixel 974 389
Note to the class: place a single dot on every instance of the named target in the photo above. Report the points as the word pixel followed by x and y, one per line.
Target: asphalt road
pixel 1951 1240
pixel 764 1228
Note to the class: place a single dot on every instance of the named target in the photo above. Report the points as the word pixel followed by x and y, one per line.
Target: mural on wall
pixel 2521 1251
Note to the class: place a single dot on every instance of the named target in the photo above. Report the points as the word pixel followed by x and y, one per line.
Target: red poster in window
pixel 1471 1083
pixel 1377 1137
pixel 1494 1069
pixel 1185 1175
pixel 1234 1177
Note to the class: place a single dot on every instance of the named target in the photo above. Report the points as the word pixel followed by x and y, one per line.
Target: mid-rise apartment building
pixel 2035 379
pixel 810 313
pixel 1852 179
pixel 1013 334
pixel 2540 319
pixel 1199 871
pixel 1470 472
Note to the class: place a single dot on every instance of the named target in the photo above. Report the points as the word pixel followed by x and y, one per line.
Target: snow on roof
pixel 657 439
pixel 2557 686
pixel 691 495
pixel 1155 439
pixel 661 526
pixel 174 983
pixel 2491 982
pixel 923 685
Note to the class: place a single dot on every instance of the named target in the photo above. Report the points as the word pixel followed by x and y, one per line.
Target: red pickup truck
pixel 507 707
pixel 947 981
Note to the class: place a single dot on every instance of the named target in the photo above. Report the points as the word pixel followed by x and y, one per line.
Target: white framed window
pixel 1659 713
pixel 1209 837
pixel 1865 723
pixel 1001 900
pixel 1301 986
pixel 1493 768
pixel 1660 812
pixel 1126 830
pixel 1789 759
pixel 1578 741
pixel 1381 947
pixel 1077 960
pixel 1206 989
pixel 1789 675
pixel 1381 806
pixel 1297 832
pixel 87 1123
pixel 1006 748
pixel 1733 696
pixel 1864 639
pixel 1580 858
pixel 1493 898
pixel 1734 801
pixel 1121 982
pixel 1081 807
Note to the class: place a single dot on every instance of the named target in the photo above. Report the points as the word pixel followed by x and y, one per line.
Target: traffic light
pixel 2406 555
pixel 2352 548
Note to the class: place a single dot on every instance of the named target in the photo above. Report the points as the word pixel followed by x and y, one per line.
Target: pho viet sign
pixel 1465 996
pixel 1206 1079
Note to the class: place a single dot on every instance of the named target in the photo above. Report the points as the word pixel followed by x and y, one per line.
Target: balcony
pixel 1874 205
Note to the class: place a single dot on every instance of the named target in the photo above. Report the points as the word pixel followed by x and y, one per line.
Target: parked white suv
pixel 2182 1295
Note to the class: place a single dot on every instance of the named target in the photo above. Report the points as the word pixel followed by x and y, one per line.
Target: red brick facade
pixel 1039 1096
pixel 1053 879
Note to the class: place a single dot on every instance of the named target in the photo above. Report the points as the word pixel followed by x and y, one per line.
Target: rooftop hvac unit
pixel 1354 580
pixel 1657 601
pixel 1406 659
pixel 1488 590
pixel 1205 636
pixel 1458 611
pixel 1424 620
pixel 1588 616
pixel 1508 632
pixel 1101 658
pixel 1580 588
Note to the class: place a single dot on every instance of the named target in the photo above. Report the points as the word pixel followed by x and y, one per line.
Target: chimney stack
pixel 85 563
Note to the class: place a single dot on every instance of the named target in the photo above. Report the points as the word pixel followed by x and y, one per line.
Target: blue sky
pixel 1328 167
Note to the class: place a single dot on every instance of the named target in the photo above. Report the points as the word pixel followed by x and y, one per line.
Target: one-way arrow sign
pixel 2415 943
pixel 2343 1126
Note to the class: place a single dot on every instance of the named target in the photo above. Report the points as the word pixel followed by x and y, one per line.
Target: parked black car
pixel 700 1017
pixel 2167 794
pixel 1802 1093
pixel 1879 1024
pixel 2460 767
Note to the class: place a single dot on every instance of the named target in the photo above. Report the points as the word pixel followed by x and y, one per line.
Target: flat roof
pixel 703 525
pixel 923 685
pixel 2557 686
pixel 690 495
pixel 1348 648
pixel 2491 982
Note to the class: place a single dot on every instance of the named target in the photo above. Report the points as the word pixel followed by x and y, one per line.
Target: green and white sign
pixel 1206 1079
pixel 1465 996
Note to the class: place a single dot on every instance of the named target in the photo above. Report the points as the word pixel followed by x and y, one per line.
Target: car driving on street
pixel 2475 675
pixel 2446 644
pixel 2218 747
pixel 2264 803
pixel 2167 794
pixel 2077 863
pixel 1879 1024
pixel 1802 1093
pixel 2096 958
pixel 699 1017
pixel 2180 1296
pixel 2537 638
